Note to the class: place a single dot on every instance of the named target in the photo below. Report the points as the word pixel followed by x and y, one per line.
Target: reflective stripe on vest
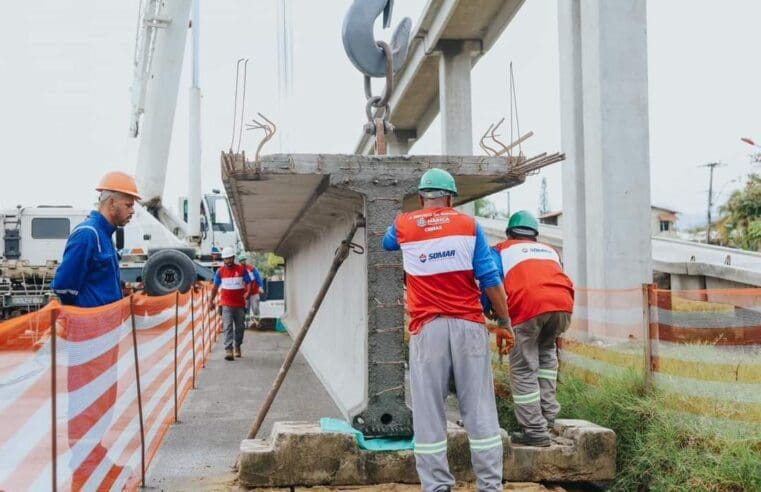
pixel 516 254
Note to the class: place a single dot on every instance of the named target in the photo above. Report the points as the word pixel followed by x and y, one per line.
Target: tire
pixel 168 270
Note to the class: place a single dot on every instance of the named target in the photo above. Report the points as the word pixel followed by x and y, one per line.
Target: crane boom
pixel 158 66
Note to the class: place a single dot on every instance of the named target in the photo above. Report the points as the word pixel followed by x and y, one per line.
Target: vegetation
pixel 486 208
pixel 740 223
pixel 658 449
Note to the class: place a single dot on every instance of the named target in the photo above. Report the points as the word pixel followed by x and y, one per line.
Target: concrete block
pixel 401 487
pixel 300 454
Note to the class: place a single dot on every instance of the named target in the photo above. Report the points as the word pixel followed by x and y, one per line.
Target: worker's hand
pixel 505 340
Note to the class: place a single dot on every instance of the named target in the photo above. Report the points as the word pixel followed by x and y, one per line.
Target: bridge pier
pixel 605 132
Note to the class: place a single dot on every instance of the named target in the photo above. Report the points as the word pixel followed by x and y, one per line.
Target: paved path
pixel 199 452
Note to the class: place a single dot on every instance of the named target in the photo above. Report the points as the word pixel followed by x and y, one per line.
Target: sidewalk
pixel 198 452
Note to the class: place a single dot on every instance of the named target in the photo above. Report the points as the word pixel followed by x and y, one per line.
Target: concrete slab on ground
pixel 300 454
pixel 198 452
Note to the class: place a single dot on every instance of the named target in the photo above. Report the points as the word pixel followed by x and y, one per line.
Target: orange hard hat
pixel 119 181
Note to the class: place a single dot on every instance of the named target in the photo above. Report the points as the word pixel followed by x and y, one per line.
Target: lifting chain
pixel 379 126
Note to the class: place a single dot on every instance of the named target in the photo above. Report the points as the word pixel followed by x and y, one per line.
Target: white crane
pixel 205 224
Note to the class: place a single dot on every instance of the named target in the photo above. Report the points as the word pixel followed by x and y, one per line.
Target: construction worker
pixel 234 282
pixel 255 290
pixel 88 275
pixel 444 252
pixel 540 301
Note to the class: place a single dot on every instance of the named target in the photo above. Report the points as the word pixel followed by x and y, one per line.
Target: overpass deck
pixel 673 256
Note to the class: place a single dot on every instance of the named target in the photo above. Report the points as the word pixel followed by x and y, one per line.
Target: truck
pixel 160 251
pixel 32 240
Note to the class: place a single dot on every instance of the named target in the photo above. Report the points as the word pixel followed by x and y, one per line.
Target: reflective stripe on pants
pixel 444 347
pixel 534 369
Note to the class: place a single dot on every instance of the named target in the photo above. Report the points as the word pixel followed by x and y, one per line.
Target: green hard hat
pixel 243 257
pixel 437 179
pixel 523 221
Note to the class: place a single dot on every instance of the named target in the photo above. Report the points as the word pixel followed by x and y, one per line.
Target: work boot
pixel 524 439
pixel 229 355
pixel 237 351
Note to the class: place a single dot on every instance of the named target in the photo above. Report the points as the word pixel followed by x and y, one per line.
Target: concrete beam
pixel 301 206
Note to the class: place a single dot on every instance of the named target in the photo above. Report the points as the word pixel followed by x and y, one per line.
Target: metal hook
pixel 359 39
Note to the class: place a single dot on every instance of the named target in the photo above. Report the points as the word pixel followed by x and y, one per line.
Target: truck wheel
pixel 168 270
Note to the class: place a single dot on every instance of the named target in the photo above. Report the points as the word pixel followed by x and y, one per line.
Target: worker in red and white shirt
pixel 540 301
pixel 255 291
pixel 444 252
pixel 233 280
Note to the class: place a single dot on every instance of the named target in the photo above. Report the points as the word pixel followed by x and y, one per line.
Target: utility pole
pixel 711 166
pixel 544 198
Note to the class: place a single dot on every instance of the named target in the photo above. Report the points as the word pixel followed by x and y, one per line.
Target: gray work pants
pixel 453 347
pixel 233 320
pixel 534 371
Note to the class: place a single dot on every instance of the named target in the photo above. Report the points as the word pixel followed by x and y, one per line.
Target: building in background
pixel 663 221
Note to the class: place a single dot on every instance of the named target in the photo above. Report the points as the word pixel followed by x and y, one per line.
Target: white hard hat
pixel 228 252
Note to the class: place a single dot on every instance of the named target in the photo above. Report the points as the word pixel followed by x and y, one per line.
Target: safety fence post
pixel 203 327
pixel 650 326
pixel 53 404
pixel 176 327
pixel 193 333
pixel 139 391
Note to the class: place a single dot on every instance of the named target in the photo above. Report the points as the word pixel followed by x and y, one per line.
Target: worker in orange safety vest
pixel 540 302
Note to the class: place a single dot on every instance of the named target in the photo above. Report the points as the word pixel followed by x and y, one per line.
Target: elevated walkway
pixel 681 259
pixel 200 451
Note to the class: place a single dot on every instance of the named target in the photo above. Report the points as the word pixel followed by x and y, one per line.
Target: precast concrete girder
pixel 301 206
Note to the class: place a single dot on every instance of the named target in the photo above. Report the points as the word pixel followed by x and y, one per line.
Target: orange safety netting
pixel 96 418
pixel 702 346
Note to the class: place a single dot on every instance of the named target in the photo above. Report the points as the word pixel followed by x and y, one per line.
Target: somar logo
pixel 421 222
pixel 441 255
pixel 423 258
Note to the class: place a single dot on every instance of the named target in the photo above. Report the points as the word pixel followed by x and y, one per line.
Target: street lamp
pixel 754 157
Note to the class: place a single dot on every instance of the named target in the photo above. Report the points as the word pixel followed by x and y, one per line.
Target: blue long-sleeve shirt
pixel 258 278
pixel 89 272
pixel 484 268
pixel 485 302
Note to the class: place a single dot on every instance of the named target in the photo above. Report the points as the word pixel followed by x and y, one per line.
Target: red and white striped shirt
pixel 534 280
pixel 438 247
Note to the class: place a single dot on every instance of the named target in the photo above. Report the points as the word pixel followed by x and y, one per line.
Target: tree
pixel 741 216
pixel 486 208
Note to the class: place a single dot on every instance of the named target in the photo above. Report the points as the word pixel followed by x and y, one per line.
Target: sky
pixel 66 69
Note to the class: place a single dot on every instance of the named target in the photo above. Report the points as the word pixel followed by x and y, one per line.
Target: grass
pixel 658 449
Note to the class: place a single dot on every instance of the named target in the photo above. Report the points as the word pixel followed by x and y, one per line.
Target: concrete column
pixel 616 143
pixel 572 130
pixel 455 103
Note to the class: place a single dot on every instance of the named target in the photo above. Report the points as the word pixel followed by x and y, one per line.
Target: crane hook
pixel 359 39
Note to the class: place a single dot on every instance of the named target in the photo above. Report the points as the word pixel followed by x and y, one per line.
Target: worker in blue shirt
pixel 89 272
